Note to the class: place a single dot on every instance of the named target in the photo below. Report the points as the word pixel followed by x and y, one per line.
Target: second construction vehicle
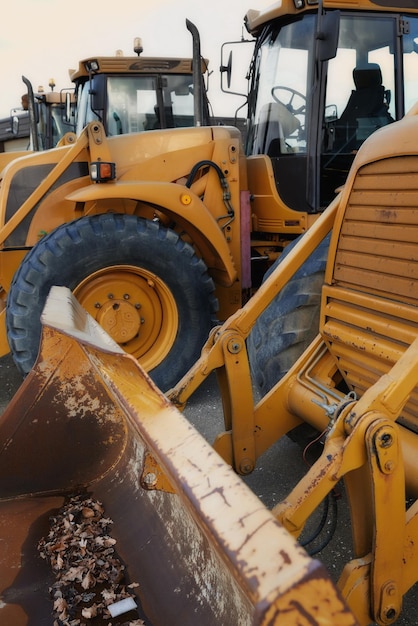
pixel 161 234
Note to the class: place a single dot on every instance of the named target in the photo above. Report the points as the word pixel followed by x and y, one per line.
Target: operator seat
pixel 275 124
pixel 366 109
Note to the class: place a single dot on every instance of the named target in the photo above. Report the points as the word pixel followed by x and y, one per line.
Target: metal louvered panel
pixel 367 339
pixel 370 313
pixel 378 249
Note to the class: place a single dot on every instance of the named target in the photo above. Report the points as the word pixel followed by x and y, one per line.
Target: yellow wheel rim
pixel 136 309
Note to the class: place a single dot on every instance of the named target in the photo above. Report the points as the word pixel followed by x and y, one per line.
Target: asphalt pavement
pixel 276 473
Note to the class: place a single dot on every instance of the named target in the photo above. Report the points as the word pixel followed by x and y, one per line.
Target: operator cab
pixel 55 116
pixel 311 114
pixel 51 114
pixel 135 94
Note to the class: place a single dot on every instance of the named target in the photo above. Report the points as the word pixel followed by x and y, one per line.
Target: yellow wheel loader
pixel 161 235
pixel 88 440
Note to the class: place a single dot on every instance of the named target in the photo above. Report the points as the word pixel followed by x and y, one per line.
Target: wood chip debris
pixel 89 575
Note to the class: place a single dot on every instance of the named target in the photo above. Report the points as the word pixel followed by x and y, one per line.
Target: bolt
pixel 150 479
pixel 391 590
pixel 389 466
pixel 246 466
pixel 110 296
pixel 97 305
pixel 126 296
pixel 137 305
pixel 385 440
pixel 234 346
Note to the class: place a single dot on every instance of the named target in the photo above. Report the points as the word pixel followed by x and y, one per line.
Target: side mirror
pixel 235 75
pixel 68 113
pixel 331 114
pixel 15 125
pixel 97 92
pixel 227 69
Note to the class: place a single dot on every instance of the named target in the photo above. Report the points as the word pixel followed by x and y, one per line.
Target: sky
pixel 43 39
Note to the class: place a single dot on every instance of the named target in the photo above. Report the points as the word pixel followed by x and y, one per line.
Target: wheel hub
pixel 120 320
pixel 135 307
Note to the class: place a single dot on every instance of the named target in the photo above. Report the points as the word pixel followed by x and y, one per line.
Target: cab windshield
pixel 138 103
pixel 281 82
pixel 51 124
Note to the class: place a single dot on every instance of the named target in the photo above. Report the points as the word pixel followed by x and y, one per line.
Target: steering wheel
pixel 288 101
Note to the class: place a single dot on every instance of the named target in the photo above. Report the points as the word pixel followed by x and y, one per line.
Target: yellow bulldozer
pixel 89 443
pixel 161 235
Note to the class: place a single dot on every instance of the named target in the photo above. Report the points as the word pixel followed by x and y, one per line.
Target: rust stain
pixel 387 215
pixel 285 556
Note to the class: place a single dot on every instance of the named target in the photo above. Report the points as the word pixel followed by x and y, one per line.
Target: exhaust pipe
pixel 197 75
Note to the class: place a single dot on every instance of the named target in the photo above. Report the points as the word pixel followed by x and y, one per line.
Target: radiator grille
pixel 370 315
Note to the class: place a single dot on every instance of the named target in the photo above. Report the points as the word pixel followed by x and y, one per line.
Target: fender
pixel 182 205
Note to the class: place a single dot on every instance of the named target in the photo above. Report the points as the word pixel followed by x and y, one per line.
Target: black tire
pixel 119 265
pixel 289 324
